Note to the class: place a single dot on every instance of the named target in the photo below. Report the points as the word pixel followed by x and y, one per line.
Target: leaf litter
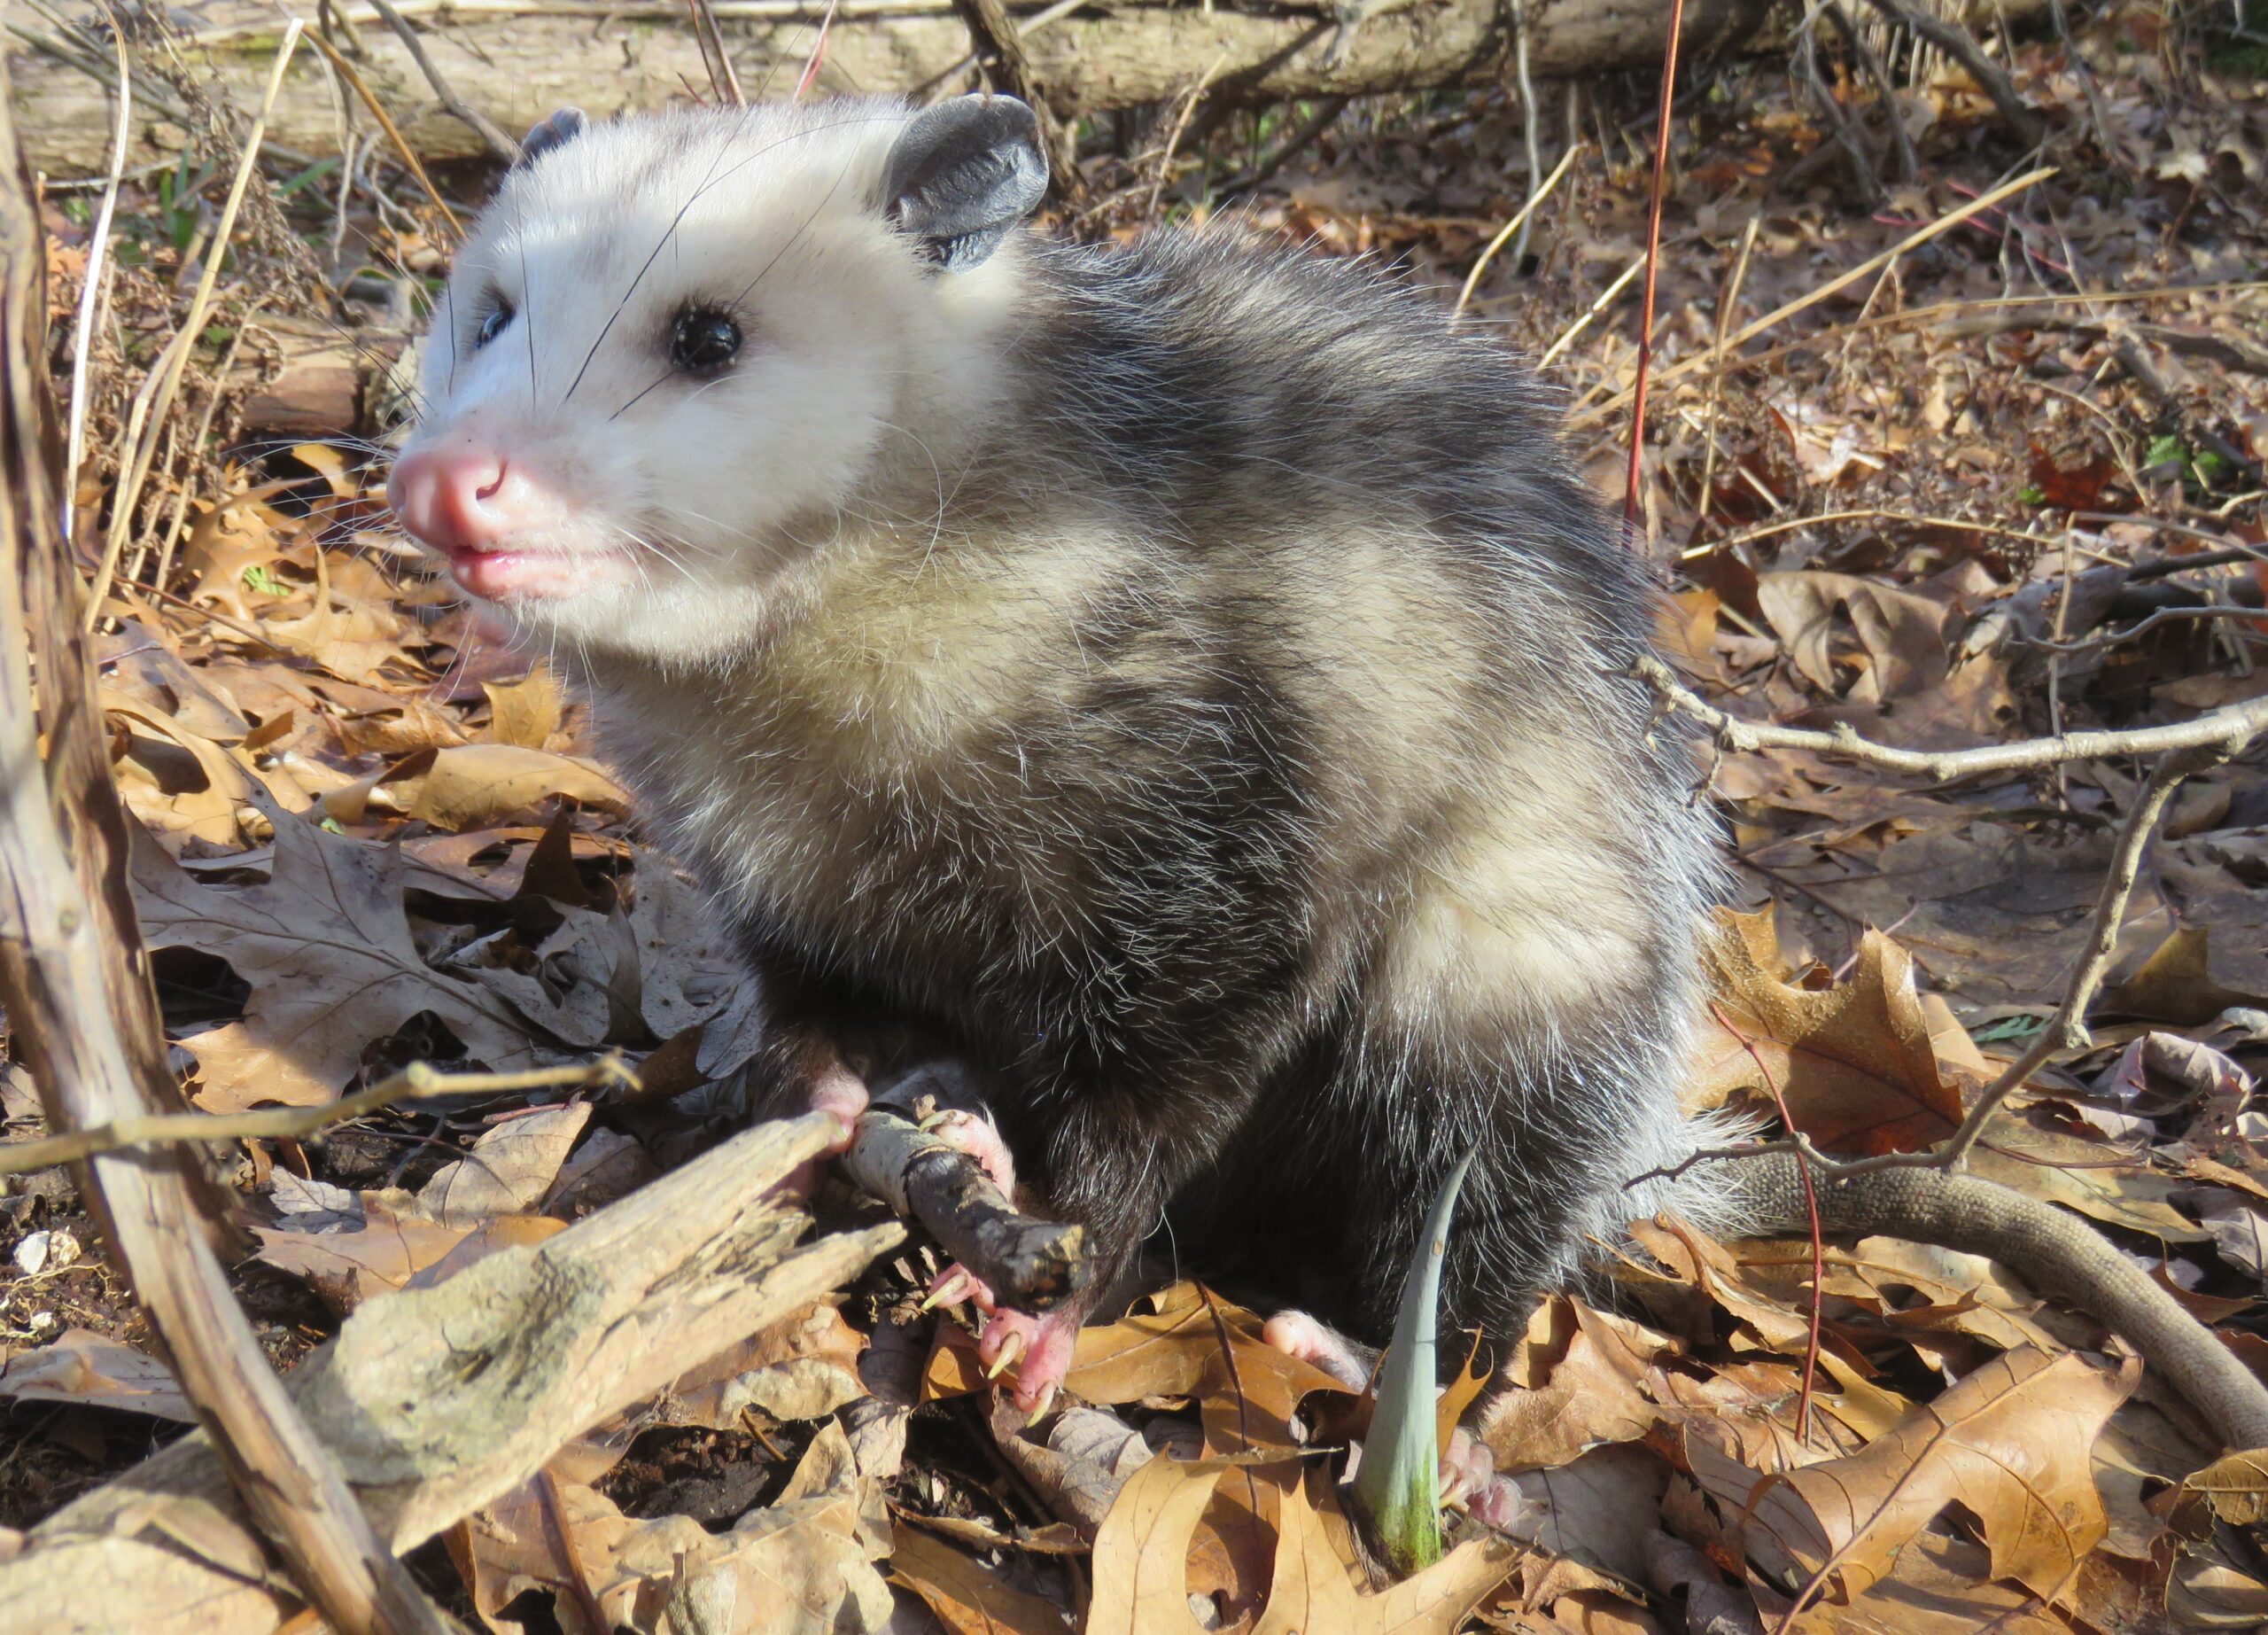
pixel 376 834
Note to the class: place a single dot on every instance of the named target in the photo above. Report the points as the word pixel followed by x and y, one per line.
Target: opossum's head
pixel 676 346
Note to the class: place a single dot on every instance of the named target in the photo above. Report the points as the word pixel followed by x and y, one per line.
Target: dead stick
pixel 75 980
pixel 417 1082
pixel 2234 725
pixel 499 143
pixel 1031 1265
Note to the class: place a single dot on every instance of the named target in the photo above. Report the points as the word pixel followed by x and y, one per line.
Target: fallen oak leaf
pixel 326 946
pixel 509 1169
pixel 968 1597
pixel 1313 1591
pixel 2233 1488
pixel 2011 1443
pixel 1855 1062
pixel 88 1369
pixel 479 785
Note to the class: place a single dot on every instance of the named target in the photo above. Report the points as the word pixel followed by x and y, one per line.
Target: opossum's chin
pixel 653 619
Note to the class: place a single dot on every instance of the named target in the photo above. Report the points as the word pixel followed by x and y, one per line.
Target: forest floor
pixel 2002 482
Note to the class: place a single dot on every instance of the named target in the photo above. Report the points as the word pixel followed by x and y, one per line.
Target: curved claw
pixel 1012 1349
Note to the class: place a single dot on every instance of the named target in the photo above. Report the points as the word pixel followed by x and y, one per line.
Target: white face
pixel 673 350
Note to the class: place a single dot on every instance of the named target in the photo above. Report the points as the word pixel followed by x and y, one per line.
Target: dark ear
pixel 963 174
pixel 555 132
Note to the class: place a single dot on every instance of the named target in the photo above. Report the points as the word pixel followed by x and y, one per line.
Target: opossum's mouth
pixel 523 575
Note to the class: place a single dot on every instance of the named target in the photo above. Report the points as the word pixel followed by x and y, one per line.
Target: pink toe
pixel 976 1134
pixel 1299 1335
pixel 840 1094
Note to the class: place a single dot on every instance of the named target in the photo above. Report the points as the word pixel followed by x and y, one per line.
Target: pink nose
pixel 470 498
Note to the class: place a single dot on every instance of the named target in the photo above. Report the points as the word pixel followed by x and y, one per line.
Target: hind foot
pixel 1468 1472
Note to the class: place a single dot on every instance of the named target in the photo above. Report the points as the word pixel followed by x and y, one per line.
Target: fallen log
pixel 434 1401
pixel 516 61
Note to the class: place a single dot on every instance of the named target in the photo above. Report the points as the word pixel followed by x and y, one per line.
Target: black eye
pixel 704 342
pixel 493 325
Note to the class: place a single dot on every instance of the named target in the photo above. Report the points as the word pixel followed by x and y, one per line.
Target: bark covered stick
pixel 74 979
pixel 1032 1265
pixel 434 1401
pixel 519 60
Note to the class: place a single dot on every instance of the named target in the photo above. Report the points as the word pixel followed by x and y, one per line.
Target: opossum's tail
pixel 2053 1250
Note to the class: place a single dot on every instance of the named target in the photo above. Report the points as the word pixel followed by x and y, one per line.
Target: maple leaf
pixel 324 944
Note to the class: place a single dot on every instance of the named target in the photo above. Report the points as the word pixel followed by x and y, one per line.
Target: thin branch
pixel 167 381
pixel 2234 726
pixel 2164 616
pixel 2023 120
pixel 91 290
pixel 1727 305
pixel 1519 220
pixel 1653 259
pixel 1873 264
pixel 481 125
pixel 419 1081
pixel 724 80
pixel 2067 1030
pixel 394 132
pixel 1818 1241
pixel 76 981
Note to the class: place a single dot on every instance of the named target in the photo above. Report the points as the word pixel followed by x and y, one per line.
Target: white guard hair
pixel 856 356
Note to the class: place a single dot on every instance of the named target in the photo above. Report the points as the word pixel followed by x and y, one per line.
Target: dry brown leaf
pixel 1854 1061
pixel 347 1263
pixel 2235 1487
pixel 968 1597
pixel 1582 1381
pixel 1940 1587
pixel 525 712
pixel 2010 1443
pixel 1313 1591
pixel 2175 983
pixel 803 1368
pixel 325 944
pixel 480 786
pixel 1900 632
pixel 89 1370
pixel 509 1169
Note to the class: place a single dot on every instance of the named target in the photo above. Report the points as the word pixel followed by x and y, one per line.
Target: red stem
pixel 1653 257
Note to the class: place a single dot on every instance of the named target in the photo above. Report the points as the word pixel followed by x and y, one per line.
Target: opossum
pixel 1185 680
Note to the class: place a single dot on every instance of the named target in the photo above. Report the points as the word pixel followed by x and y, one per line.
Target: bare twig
pixel 1528 207
pixel 2067 1030
pixel 1653 257
pixel 2024 121
pixel 135 468
pixel 818 59
pixel 91 290
pixel 76 986
pixel 1909 163
pixel 419 1081
pixel 1032 1265
pixel 394 132
pixel 724 80
pixel 2235 724
pixel 1873 264
pixel 2164 616
pixel 499 143
pixel 1567 337
pixel 438 1400
pixel 1727 305
pixel 1324 115
pixel 1818 1241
